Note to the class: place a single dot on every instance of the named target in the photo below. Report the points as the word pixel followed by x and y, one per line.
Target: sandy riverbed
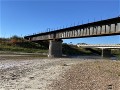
pixel 52 74
pixel 35 74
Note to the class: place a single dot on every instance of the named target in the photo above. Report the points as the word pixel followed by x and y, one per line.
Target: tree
pixel 14 39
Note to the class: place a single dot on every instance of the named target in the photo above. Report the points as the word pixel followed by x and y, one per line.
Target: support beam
pixel 106 52
pixel 55 48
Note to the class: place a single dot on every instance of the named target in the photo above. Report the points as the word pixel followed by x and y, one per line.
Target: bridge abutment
pixel 55 48
pixel 106 53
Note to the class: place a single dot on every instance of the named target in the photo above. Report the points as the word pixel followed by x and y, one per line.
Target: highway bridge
pixel 105 48
pixel 102 46
pixel 94 29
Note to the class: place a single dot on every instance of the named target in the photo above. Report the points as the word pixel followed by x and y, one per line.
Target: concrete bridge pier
pixel 106 52
pixel 55 48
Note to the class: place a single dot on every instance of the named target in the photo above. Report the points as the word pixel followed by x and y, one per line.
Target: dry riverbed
pixel 59 74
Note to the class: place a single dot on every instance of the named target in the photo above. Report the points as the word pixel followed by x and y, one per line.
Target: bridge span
pixel 105 48
pixel 93 29
pixel 102 46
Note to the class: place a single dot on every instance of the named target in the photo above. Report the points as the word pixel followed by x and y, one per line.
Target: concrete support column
pixel 106 52
pixel 55 48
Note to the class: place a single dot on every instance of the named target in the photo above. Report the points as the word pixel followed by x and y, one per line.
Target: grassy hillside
pixel 116 52
pixel 18 48
pixel 74 50
pixel 21 45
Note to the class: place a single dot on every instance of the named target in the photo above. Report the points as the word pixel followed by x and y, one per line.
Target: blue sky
pixel 23 17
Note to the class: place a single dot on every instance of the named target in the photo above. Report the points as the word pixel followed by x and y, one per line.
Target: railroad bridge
pixel 94 29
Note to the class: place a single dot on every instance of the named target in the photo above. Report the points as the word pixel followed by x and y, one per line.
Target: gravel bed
pixel 36 74
pixel 59 74
pixel 91 75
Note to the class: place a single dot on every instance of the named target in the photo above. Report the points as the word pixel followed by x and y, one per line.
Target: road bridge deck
pixel 102 46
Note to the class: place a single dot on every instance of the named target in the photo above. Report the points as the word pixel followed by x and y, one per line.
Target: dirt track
pixel 59 74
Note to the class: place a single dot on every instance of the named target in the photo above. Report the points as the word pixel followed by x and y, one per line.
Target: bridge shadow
pixel 92 57
pixel 73 50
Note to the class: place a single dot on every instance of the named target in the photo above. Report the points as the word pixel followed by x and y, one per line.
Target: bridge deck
pixel 94 29
pixel 105 46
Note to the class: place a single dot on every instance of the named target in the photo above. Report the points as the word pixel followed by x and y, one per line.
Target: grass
pixel 118 56
pixel 15 48
pixel 26 57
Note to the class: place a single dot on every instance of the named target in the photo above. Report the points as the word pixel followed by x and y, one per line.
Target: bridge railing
pixel 101 28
